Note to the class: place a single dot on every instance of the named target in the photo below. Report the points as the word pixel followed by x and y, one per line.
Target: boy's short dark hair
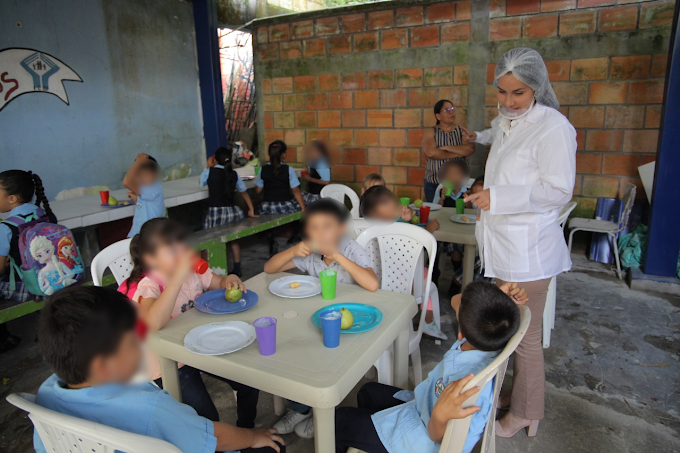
pixel 373 197
pixel 487 316
pixel 80 323
pixel 326 206
pixel 460 163
pixel 150 164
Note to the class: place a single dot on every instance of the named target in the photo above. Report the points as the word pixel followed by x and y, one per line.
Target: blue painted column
pixel 207 50
pixel 664 221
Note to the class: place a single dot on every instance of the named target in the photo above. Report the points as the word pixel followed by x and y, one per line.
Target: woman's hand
pixel 480 199
pixel 470 136
pixel 232 281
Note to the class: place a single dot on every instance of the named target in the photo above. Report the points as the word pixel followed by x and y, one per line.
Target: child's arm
pixel 298 196
pixel 432 225
pixel 314 180
pixel 249 203
pixel 406 214
pixel 364 276
pixel 228 282
pixel 449 406
pixel 129 179
pixel 232 438
pixel 283 261
pixel 519 295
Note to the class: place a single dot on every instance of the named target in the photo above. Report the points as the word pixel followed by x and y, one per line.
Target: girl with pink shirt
pixel 167 286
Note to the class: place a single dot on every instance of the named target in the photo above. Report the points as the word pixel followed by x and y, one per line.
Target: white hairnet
pixel 528 67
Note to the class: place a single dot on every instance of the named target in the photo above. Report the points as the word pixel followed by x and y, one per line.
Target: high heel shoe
pixel 517 423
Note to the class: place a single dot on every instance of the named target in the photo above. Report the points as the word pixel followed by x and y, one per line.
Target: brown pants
pixel 528 379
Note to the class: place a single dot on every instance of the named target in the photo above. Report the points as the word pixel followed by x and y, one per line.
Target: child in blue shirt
pixel 87 334
pixel 146 191
pixel 279 183
pixel 318 164
pixel 392 420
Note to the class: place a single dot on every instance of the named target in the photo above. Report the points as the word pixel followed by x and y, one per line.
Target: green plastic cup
pixel 460 206
pixel 257 170
pixel 448 188
pixel 405 201
pixel 329 281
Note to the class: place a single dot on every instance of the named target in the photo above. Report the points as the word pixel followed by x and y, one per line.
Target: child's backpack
pixel 48 258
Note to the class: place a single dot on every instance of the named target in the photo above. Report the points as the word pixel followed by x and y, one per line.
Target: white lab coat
pixel 530 174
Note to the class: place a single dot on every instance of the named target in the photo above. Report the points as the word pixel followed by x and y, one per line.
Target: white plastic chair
pixel 338 192
pixel 115 257
pixel 400 248
pixel 551 299
pixel 605 226
pixel 457 430
pixel 61 433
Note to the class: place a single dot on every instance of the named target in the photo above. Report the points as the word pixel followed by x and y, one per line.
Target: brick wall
pixel 366 80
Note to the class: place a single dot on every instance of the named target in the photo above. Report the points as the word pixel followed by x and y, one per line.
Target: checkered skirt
pixel 310 197
pixel 221 215
pixel 20 294
pixel 450 247
pixel 279 207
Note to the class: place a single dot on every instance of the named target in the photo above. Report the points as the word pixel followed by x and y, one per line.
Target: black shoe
pixel 11 342
pixel 455 288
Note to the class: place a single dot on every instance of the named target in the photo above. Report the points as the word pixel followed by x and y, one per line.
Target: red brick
pixel 365 42
pixel 429 118
pixel 354 81
pixel 416 176
pixel 620 164
pixel 635 67
pixel 589 69
pixel 340 100
pixel 341 137
pixel 452 33
pixel 339 44
pixel 603 140
pixel 284 120
pixel 329 82
pixel 342 173
pixel 305 84
pixel 659 65
pixel 412 192
pixel 608 92
pixel 407 118
pixel 394 175
pixel 577 23
pixel 578 185
pixel 490 72
pixel 266 86
pixel 408 17
pixel 657 14
pixel 588 163
pixel 268 52
pixel 461 75
pixel 646 92
pixel 361 171
pixel 409 77
pixel 588 117
pixel 262 35
pixel 600 186
pixel 640 141
pixel 354 156
pixel 327 26
pixel 438 76
pixel 316 101
pixel 393 39
pixel 282 85
pixel 291 49
pixel 541 26
pixel 302 29
pixel 354 118
pixel 268 120
pixel 518 7
pixel 427 36
pixel 305 119
pixel 489 114
pixel 440 12
pixel 422 97
pixel 504 29
pixel 594 3
pixel 273 134
pixel 392 138
pixel 458 95
pixel 652 117
pixel 294 137
pixel 557 5
pixel 280 32
pixel 637 182
pixel 314 47
pixel 380 156
pixel 580 138
pixel 317 134
pixel 352 23
pixel 380 79
pixel 272 103
pixel 491 95
pixel 380 118
pixel 463 10
pixel 367 137
pixel 407 157
pixel 558 70
pixel 330 118
pixel 393 98
pixel 381 19
pixel 624 116
pixel 294 102
pixel 616 19
pixel 415 137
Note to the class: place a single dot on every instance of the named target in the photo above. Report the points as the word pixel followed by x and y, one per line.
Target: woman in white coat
pixel 529 176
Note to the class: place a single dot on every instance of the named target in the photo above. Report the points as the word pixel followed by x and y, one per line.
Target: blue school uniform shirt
pixel 403 428
pixel 438 194
pixel 322 168
pixel 140 408
pixel 6 233
pixel 292 177
pixel 150 204
pixel 240 185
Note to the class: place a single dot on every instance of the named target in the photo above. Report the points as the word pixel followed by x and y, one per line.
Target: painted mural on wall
pixel 32 71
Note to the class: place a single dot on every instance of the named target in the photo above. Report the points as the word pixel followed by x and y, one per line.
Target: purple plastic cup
pixel 265 329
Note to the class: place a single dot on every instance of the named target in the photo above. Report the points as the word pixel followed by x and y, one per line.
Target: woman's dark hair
pixel 80 323
pixel 223 157
pixel 276 151
pixel 322 147
pixel 373 197
pixel 323 206
pixel 487 317
pixel 24 184
pixel 439 106
pixel 153 233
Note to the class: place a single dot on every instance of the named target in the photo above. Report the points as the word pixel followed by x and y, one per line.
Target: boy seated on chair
pixel 88 336
pixel 392 420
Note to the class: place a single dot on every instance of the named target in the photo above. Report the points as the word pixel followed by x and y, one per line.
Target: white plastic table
pixel 302 369
pixel 459 233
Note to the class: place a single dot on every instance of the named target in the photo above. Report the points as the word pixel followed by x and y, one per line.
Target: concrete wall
pixel 366 78
pixel 139 91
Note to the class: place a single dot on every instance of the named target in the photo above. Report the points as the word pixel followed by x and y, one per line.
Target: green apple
pixel 418 203
pixel 113 201
pixel 415 219
pixel 233 295
pixel 347 319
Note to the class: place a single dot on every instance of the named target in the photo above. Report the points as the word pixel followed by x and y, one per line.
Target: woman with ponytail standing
pixel 279 183
pixel 222 182
pixel 17 188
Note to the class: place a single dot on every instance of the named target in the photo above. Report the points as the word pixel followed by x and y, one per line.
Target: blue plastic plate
pixel 214 302
pixel 366 317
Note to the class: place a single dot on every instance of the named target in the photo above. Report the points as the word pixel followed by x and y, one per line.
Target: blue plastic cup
pixel 330 327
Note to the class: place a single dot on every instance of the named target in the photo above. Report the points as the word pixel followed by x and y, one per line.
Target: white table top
pixel 450 231
pixel 302 369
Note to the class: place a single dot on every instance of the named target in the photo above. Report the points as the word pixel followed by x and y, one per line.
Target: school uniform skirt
pixel 221 215
pixel 279 207
pixel 310 197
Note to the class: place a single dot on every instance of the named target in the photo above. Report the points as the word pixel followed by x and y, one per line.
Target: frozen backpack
pixel 43 254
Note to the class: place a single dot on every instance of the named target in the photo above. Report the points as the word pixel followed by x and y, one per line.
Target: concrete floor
pixel 613 369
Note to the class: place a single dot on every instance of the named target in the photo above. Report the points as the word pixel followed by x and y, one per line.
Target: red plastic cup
pixel 104 195
pixel 424 214
pixel 201 266
pixel 303 172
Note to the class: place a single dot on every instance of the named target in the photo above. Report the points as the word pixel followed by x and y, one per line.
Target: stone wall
pixel 366 78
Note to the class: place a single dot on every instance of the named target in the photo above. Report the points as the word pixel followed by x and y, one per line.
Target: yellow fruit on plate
pixel 347 319
pixel 113 201
pixel 465 219
pixel 295 285
pixel 233 295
